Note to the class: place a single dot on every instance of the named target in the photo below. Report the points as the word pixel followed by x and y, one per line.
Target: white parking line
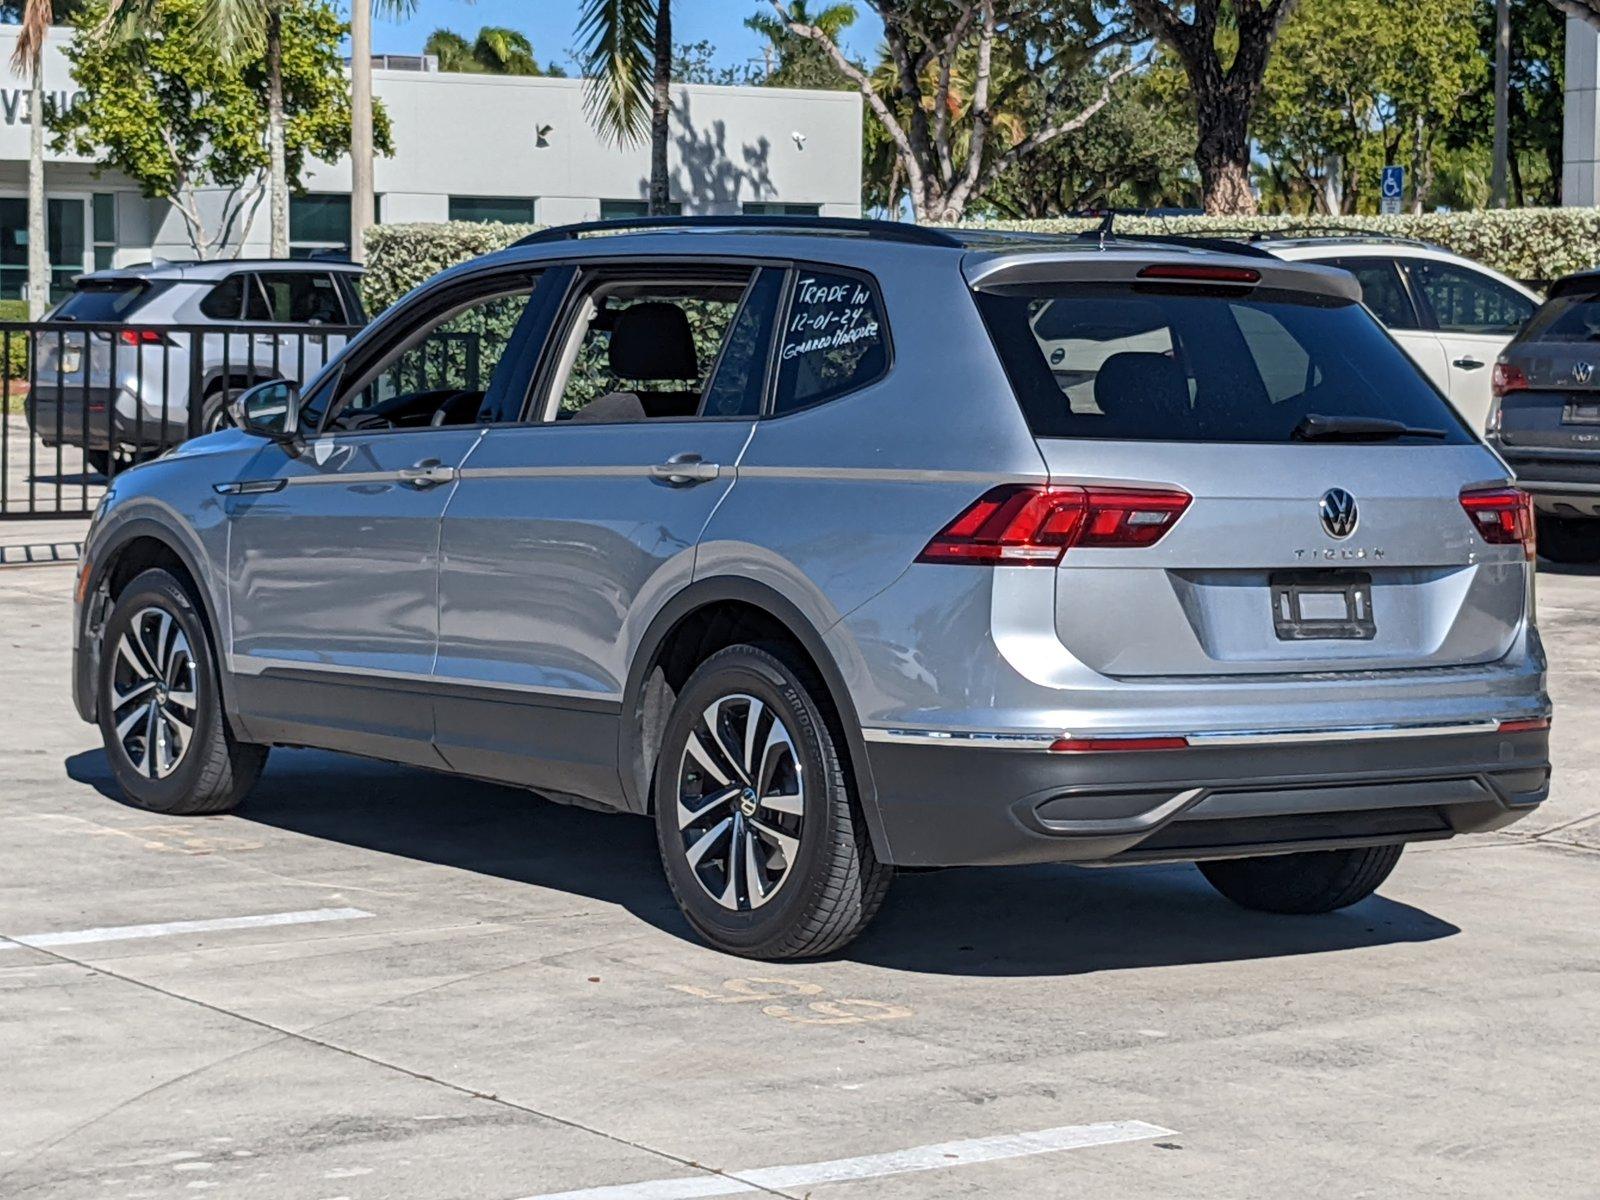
pixel 123 933
pixel 871 1166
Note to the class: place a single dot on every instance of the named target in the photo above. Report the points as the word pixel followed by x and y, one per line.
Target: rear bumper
pixel 1564 485
pixel 90 419
pixel 955 805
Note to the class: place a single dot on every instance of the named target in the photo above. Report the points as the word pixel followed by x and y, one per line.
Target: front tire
pixel 160 708
pixel 1316 881
pixel 761 836
pixel 1569 539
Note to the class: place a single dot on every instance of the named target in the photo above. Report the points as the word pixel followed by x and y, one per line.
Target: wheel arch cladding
pixel 700 620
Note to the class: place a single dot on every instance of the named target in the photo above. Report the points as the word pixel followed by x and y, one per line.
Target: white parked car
pixel 1452 315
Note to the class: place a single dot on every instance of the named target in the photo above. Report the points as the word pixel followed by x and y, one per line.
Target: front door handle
pixel 682 470
pixel 1467 363
pixel 430 472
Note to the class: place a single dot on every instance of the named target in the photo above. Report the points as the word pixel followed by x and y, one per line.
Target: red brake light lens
pixel 1503 516
pixel 1199 274
pixel 1034 525
pixel 141 337
pixel 1506 378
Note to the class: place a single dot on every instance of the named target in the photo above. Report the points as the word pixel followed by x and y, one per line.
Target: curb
pixel 40 554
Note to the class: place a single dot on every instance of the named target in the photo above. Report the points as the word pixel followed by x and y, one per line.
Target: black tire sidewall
pixel 159 589
pixel 215 408
pixel 750 670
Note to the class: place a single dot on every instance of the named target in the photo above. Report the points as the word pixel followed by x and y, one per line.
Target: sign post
pixel 1394 190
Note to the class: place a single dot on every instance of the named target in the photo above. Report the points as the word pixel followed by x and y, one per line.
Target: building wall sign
pixel 14 103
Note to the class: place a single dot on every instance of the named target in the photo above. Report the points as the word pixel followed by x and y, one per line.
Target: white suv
pixel 1452 315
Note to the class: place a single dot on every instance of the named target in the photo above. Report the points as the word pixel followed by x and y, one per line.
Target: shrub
pixel 16 350
pixel 401 256
pixel 1534 244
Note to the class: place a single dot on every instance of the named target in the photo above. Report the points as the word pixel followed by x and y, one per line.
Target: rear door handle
pixel 682 470
pixel 1467 363
pixel 430 472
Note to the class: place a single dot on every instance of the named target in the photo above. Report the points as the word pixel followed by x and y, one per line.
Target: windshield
pixel 1135 361
pixel 103 301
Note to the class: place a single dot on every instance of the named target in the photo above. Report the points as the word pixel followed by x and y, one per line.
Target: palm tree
pixel 363 198
pixel 28 58
pixel 626 49
pixel 496 51
pixel 801 62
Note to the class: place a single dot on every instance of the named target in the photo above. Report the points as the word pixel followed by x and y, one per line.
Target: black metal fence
pixel 85 400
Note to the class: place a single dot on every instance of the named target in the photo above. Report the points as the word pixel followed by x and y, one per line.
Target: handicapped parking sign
pixel 1394 189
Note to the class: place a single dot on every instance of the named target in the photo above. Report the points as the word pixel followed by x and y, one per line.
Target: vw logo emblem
pixel 1339 515
pixel 1582 372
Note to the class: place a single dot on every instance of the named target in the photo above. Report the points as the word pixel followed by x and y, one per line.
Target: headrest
pixel 1142 384
pixel 652 341
pixel 613 406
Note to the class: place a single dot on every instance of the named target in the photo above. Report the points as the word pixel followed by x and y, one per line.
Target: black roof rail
pixel 1333 233
pixel 895 231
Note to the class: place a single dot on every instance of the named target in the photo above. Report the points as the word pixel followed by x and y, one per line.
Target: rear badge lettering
pixel 1340 553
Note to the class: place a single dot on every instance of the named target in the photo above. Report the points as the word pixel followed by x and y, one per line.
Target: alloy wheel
pixel 153 699
pixel 741 802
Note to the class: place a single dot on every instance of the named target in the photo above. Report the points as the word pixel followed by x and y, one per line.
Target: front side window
pixel 834 340
pixel 448 372
pixel 640 349
pixel 1141 362
pixel 1466 301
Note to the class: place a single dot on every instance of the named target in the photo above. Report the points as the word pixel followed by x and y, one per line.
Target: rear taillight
pixel 143 337
pixel 1503 516
pixel 1506 378
pixel 1028 525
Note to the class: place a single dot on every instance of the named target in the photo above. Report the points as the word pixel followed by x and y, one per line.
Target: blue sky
pixel 550 26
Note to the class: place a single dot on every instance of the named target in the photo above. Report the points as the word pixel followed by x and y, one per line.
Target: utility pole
pixel 362 202
pixel 1502 101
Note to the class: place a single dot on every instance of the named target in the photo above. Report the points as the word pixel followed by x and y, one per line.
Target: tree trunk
pixel 361 185
pixel 277 167
pixel 1223 156
pixel 38 232
pixel 660 108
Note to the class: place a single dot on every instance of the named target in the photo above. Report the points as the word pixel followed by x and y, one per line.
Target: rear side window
pixel 1137 362
pixel 105 301
pixel 299 297
pixel 1571 318
pixel 225 302
pixel 1465 301
pixel 834 340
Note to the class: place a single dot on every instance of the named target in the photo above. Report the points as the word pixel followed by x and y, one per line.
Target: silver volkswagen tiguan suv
pixel 839 547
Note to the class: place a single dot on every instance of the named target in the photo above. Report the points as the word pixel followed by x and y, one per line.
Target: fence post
pixel 197 345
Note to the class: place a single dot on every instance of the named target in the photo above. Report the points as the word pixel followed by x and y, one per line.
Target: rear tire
pixel 160 708
pixel 1316 881
pixel 1569 539
pixel 762 839
pixel 214 412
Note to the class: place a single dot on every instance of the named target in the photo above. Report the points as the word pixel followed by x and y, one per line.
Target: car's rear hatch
pixel 1549 378
pixel 1336 544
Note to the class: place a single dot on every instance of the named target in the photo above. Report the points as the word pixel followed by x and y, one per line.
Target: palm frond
pixel 32 32
pixel 239 27
pixel 616 47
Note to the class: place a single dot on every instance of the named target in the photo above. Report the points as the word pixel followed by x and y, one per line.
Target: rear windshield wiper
pixel 1320 427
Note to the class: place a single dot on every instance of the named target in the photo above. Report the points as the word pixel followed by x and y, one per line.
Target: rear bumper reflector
pixel 1524 725
pixel 1099 745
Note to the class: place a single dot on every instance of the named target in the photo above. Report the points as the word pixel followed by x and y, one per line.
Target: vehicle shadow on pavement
pixel 1020 921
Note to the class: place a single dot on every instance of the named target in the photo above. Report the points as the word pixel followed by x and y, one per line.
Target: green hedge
pixel 1529 243
pixel 16 357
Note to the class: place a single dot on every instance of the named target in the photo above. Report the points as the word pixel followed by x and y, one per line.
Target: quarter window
pixel 1381 290
pixel 834 340
pixel 225 302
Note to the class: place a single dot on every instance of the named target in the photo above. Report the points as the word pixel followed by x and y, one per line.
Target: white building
pixel 1580 134
pixel 466 147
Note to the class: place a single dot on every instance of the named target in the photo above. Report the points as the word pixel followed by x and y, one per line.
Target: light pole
pixel 1502 101
pixel 361 185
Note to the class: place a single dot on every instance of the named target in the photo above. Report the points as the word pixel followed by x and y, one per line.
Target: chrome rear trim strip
pixel 1250 737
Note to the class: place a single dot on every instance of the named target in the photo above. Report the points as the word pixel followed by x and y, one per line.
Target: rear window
pixel 104 301
pixel 1573 318
pixel 1147 363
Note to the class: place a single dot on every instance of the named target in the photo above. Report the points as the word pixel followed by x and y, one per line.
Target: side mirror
pixel 269 410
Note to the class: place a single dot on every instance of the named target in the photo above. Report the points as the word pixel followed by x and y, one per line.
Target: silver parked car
pixel 1546 417
pixel 158 333
pixel 839 547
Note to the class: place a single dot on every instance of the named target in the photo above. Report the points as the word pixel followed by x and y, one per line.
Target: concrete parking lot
pixel 373 982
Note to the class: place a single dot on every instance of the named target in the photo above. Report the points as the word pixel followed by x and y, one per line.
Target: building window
pixel 616 210
pixel 105 230
pixel 769 208
pixel 319 223
pixel 512 210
